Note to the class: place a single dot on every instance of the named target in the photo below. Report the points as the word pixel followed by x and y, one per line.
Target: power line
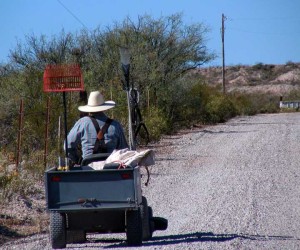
pixel 265 19
pixel 67 9
pixel 278 33
pixel 257 32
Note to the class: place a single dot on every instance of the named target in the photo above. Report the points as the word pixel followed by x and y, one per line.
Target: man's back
pixel 84 133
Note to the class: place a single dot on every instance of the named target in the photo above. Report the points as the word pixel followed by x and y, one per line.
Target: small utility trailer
pixel 82 201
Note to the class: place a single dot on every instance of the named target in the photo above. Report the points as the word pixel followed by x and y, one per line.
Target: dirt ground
pixel 230 186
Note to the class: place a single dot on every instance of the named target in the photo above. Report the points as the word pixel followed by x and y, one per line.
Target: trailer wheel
pixel 57 230
pixel 146 217
pixel 134 229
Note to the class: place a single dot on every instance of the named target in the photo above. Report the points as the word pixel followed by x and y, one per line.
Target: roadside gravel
pixel 231 186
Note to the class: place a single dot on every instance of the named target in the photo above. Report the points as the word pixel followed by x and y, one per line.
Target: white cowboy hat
pixel 96 103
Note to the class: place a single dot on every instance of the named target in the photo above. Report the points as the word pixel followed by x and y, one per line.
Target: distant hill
pixel 263 78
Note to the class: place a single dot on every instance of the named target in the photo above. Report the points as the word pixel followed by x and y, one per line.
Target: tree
pixel 163 51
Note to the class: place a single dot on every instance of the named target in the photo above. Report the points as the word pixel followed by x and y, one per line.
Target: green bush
pixel 195 100
pixel 251 104
pixel 219 109
pixel 271 105
pixel 243 104
pixel 157 123
pixel 187 102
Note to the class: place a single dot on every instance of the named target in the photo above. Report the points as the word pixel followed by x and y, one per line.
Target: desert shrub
pixel 157 123
pixel 5 180
pixel 293 95
pixel 35 164
pixel 243 104
pixel 186 103
pixel 251 104
pixel 261 66
pixel 12 184
pixel 291 64
pixel 195 101
pixel 219 109
pixel 263 103
pixel 270 104
pixel 258 66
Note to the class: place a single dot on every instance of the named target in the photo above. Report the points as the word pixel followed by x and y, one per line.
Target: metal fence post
pixel 18 151
pixel 47 132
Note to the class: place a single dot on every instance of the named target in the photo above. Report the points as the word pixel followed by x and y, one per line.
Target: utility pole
pixel 223 54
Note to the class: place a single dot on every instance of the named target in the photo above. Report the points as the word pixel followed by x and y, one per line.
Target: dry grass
pixel 22 205
pixel 12 228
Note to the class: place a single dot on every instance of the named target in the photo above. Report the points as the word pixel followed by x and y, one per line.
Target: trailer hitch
pixel 92 201
pixel 85 202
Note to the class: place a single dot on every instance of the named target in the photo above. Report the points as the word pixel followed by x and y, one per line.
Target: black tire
pixel 57 230
pixel 147 232
pixel 134 229
pixel 76 236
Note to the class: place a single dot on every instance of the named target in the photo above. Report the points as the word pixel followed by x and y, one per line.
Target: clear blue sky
pixel 266 31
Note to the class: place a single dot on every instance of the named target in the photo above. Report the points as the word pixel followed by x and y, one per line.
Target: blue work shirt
pixel 84 133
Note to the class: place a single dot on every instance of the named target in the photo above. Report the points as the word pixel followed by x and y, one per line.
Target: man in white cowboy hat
pixel 95 132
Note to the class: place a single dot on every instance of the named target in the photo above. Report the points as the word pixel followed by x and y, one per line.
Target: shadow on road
pixel 201 237
pixel 209 236
pixel 206 131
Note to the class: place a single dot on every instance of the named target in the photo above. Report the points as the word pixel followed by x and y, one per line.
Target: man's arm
pixel 74 140
pixel 122 140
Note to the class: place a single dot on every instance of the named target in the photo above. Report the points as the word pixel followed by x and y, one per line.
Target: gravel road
pixel 230 186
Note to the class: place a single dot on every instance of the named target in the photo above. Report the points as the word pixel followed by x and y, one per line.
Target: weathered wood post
pixel 18 151
pixel 47 132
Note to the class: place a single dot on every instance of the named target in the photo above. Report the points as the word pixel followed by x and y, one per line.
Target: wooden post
pixel 59 148
pixel 148 99
pixel 18 153
pixel 111 97
pixel 65 123
pixel 47 132
pixel 223 54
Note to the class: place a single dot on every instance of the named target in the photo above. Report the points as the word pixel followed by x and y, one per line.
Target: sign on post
pixel 63 78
